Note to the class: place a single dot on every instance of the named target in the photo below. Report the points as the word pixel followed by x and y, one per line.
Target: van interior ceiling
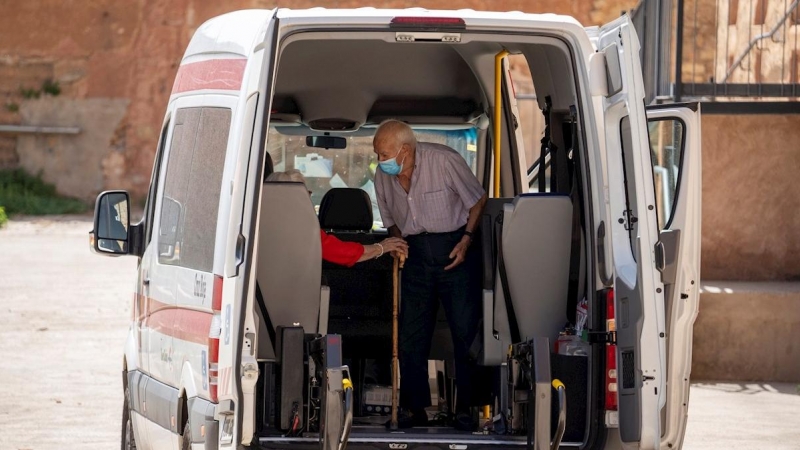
pixel 345 85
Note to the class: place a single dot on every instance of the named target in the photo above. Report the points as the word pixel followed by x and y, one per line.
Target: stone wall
pixel 751 197
pixel 747 332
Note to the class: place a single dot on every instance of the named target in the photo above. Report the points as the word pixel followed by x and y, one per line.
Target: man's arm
pixel 475 214
pixel 460 250
pixel 386 214
pixel 394 231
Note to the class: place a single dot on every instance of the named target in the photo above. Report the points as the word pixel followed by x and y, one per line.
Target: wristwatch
pixel 470 234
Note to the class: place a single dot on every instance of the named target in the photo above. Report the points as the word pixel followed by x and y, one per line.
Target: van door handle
pixel 601 254
pixel 146 280
pixel 660 256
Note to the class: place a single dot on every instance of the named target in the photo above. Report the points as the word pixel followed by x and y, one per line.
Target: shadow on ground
pixel 748 388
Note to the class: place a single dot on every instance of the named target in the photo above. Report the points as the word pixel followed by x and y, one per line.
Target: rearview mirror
pixel 326 142
pixel 111 223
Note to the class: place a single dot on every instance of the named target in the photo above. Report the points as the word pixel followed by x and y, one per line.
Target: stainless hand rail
pixel 347 387
pixel 562 413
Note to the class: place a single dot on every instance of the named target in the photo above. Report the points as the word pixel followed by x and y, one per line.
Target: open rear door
pixel 238 369
pixel 675 143
pixel 639 297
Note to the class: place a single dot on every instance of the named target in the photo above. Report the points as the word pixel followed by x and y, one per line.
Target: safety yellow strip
pixel 498 106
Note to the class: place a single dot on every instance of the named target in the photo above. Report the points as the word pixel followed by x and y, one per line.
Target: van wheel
pixel 128 439
pixel 186 442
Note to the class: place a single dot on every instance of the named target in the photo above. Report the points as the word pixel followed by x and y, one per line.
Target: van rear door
pixel 675 151
pixel 639 304
pixel 238 369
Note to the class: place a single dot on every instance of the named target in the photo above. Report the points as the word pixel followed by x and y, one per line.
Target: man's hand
pixel 459 252
pixel 397 247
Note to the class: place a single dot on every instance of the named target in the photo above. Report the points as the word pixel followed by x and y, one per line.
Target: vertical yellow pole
pixel 498 107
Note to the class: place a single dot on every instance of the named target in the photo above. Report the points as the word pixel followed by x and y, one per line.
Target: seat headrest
pixel 347 209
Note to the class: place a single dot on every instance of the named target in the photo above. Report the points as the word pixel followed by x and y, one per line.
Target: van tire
pixel 128 441
pixel 186 442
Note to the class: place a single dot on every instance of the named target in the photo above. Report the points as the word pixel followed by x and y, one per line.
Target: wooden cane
pixel 398 264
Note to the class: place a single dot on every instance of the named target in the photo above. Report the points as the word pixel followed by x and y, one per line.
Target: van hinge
pixel 250 371
pixel 602 337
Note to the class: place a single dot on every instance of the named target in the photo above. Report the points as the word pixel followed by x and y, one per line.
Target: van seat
pixel 346 209
pixel 492 352
pixel 361 296
pixel 536 240
pixel 288 272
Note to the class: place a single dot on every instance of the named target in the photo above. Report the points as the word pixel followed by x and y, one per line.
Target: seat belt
pixel 577 206
pixel 560 179
pixel 513 325
pixel 547 145
pixel 267 321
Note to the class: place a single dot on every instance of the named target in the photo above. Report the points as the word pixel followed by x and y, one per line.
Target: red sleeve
pixel 339 252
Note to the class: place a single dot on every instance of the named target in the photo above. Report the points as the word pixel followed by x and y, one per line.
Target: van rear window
pixel 355 165
pixel 196 156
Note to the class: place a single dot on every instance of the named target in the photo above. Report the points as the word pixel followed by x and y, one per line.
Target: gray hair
pixel 291 175
pixel 394 130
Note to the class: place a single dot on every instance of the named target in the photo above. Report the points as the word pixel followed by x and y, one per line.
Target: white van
pixel 242 337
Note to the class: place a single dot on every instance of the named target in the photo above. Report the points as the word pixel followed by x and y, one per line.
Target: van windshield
pixel 355 165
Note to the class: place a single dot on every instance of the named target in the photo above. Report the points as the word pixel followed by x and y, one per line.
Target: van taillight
pixel 611 354
pixel 214 334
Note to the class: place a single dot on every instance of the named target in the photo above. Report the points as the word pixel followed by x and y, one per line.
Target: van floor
pixel 381 433
pixel 422 435
pixel 364 431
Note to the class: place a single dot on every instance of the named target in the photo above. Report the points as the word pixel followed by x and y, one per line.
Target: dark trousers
pixel 424 284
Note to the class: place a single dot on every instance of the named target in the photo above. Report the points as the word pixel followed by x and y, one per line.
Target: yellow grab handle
pixel 558 384
pixel 498 106
pixel 346 384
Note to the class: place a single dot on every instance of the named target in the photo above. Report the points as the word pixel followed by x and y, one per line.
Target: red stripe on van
pixel 223 74
pixel 180 323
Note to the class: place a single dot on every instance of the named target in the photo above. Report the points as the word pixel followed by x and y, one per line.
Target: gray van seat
pixel 491 352
pixel 536 239
pixel 361 296
pixel 289 267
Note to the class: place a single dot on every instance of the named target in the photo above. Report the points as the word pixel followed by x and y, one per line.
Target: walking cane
pixel 398 264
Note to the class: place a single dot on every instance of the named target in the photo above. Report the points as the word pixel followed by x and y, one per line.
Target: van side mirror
pixel 111 234
pixel 598 81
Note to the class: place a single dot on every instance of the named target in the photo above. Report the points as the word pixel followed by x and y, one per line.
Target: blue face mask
pixel 390 166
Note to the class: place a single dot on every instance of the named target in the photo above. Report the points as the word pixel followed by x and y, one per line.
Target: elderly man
pixel 428 195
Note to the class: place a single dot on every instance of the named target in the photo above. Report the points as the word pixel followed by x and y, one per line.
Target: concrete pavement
pixel 743 416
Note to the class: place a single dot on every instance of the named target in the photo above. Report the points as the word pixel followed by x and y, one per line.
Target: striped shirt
pixel 443 189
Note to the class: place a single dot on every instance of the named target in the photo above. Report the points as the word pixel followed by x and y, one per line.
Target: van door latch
pixel 628 219
pixel 602 337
